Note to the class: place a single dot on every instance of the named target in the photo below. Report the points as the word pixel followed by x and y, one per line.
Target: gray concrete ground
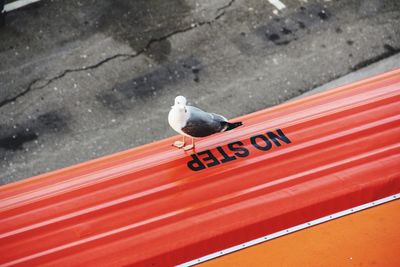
pixel 81 79
pixel 382 66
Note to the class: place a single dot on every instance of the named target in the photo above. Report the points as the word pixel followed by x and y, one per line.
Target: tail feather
pixel 232 125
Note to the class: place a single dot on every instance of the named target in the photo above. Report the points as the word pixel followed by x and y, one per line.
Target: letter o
pixel 264 147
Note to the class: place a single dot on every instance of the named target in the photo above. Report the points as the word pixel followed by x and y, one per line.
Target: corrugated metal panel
pixel 157 206
pixel 367 238
pixel 338 236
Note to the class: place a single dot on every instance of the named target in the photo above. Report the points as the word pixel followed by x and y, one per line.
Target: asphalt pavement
pixel 82 79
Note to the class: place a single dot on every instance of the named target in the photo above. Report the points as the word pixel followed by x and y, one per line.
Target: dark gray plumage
pixel 201 124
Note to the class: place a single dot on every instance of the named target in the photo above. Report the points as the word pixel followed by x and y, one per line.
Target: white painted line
pixel 18 4
pixel 289 230
pixel 278 4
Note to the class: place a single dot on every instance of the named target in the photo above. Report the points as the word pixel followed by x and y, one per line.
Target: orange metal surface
pixel 367 238
pixel 158 206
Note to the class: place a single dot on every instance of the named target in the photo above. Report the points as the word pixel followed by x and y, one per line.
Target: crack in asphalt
pixel 14 98
pixel 31 87
pixel 223 8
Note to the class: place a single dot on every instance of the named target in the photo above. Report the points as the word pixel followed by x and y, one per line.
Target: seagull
pixel 193 122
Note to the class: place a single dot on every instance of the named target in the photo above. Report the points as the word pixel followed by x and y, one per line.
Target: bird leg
pixel 191 146
pixel 179 144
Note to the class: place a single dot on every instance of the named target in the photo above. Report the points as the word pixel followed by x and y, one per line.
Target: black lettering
pixel 265 147
pixel 239 151
pixel 210 157
pixel 196 164
pixel 281 137
pixel 226 157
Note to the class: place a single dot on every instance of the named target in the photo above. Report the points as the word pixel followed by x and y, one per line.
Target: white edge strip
pixel 18 4
pixel 278 4
pixel 289 230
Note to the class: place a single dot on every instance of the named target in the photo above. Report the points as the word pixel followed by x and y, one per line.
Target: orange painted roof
pixel 367 238
pixel 158 206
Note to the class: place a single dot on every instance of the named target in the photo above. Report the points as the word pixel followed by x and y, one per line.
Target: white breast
pixel 177 120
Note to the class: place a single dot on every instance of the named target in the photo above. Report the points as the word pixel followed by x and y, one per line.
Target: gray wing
pixel 201 124
pixel 218 117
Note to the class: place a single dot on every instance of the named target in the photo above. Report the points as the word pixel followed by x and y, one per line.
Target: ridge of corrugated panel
pixel 156 205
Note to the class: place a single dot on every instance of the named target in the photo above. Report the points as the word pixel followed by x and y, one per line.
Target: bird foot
pixel 179 144
pixel 188 147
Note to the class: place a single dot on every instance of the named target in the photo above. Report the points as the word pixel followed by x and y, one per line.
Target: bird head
pixel 180 104
pixel 180 100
